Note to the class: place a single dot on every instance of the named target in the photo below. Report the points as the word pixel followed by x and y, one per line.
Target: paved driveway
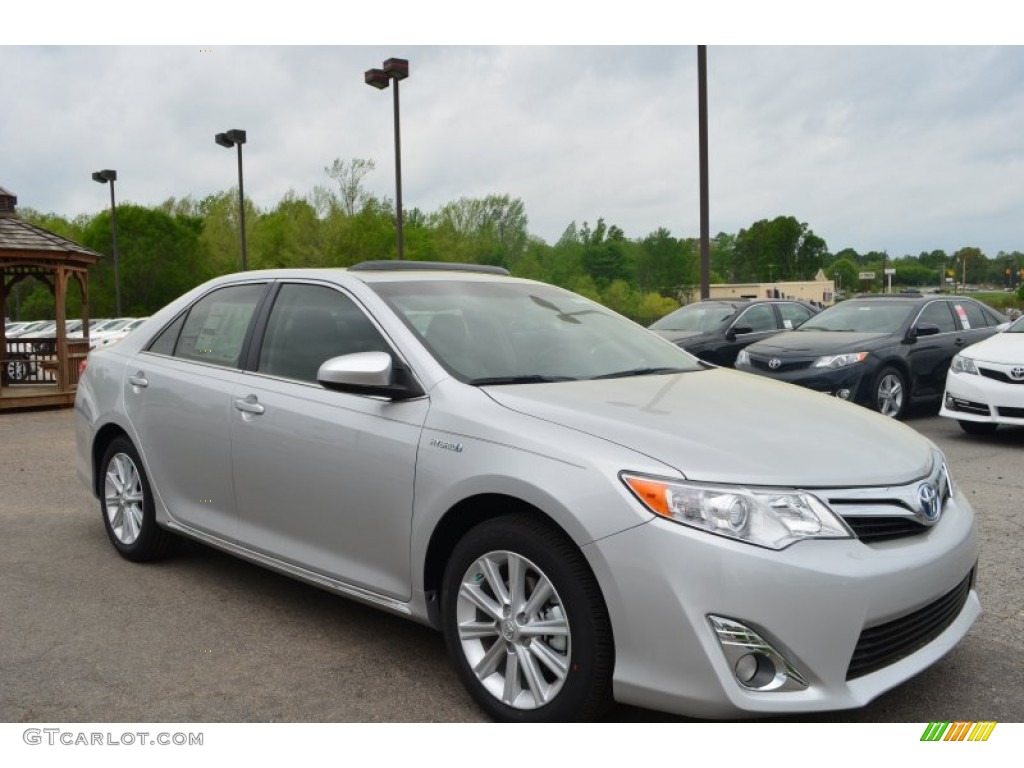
pixel 202 637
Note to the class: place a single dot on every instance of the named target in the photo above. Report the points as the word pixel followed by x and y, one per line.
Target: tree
pixel 780 249
pixel 844 272
pixel 160 258
pixel 349 175
pixel 664 264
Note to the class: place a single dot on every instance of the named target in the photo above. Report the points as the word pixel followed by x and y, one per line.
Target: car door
pixel 177 395
pixel 324 479
pixel 929 356
pixel 762 322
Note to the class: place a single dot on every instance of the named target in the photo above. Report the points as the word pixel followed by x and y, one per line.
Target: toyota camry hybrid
pixel 585 511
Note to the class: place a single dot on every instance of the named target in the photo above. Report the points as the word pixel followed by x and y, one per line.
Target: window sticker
pixel 963 317
pixel 787 324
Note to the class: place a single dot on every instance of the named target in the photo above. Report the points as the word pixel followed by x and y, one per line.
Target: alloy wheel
pixel 124 498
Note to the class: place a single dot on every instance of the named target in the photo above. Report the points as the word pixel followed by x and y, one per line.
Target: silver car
pixel 587 512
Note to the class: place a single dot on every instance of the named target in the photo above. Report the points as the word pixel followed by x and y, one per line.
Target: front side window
pixel 938 314
pixel 216 325
pixel 310 324
pixel 759 318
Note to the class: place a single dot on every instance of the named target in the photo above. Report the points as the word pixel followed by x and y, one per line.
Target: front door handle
pixel 249 405
pixel 139 380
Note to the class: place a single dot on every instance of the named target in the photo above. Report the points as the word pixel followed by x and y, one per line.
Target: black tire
pixel 978 427
pixel 889 395
pixel 19 368
pixel 586 653
pixel 130 520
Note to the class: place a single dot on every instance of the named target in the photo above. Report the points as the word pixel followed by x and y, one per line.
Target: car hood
pixel 1006 348
pixel 817 342
pixel 727 426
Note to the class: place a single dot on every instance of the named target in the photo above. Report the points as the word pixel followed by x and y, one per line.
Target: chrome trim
pixel 325 582
pixel 893 501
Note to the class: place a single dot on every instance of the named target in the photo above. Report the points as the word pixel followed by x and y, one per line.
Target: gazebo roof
pixel 19 239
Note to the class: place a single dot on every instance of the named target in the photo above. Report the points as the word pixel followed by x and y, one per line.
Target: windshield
pixel 861 317
pixel 699 318
pixel 1017 327
pixel 510 332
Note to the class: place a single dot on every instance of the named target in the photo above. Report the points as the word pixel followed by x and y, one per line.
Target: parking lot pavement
pixel 203 637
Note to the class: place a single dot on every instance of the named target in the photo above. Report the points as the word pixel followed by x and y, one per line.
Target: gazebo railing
pixel 34 361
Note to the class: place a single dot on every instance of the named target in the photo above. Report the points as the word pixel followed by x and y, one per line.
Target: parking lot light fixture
pixel 236 137
pixel 393 70
pixel 102 177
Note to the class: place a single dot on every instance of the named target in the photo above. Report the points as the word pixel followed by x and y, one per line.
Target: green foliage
pixel 776 250
pixel 171 247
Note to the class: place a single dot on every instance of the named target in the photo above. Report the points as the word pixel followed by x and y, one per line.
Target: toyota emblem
pixel 928 498
pixel 1017 372
pixel 774 363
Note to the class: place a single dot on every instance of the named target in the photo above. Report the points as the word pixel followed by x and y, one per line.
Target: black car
pixel 880 351
pixel 715 330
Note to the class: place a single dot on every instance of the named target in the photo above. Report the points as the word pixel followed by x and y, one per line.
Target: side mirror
pixel 923 329
pixel 368 373
pixel 737 330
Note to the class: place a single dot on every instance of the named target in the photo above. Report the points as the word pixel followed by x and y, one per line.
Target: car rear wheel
pixel 890 393
pixel 525 623
pixel 978 427
pixel 127 505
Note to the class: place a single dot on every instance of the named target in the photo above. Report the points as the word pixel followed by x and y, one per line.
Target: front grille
pixel 871 528
pixel 1011 413
pixel 887 643
pixel 787 365
pixel 998 376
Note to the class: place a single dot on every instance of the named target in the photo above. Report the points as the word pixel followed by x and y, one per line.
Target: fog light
pixel 949 402
pixel 843 394
pixel 756 665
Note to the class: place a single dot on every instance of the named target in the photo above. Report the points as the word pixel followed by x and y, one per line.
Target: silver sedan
pixel 584 510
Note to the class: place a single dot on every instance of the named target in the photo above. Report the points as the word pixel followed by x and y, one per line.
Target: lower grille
pixel 870 528
pixel 967 406
pixel 1011 413
pixel 887 643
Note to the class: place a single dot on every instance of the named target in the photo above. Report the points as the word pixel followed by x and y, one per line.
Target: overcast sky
pixel 897 148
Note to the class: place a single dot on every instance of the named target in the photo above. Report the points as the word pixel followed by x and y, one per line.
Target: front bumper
pixel 851 383
pixel 811 601
pixel 973 397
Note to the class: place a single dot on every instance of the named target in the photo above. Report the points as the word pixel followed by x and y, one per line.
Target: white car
pixel 107 337
pixel 985 383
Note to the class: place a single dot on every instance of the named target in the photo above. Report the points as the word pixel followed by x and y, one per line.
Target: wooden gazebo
pixel 40 371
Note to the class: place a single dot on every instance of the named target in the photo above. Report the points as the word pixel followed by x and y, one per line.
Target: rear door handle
pixel 249 405
pixel 139 380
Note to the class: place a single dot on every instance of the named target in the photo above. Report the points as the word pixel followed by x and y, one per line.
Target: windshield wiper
pixel 532 378
pixel 640 372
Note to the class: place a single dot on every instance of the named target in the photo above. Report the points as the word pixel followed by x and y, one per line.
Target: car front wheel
pixel 890 393
pixel 525 623
pixel 127 505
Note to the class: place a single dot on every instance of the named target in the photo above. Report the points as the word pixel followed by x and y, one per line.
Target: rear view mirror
pixel 368 373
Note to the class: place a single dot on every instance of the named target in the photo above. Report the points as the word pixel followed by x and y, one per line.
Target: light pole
pixel 393 69
pixel 102 177
pixel 228 139
pixel 702 151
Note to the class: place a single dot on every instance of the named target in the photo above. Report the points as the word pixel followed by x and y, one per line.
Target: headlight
pixel 840 361
pixel 743 358
pixel 963 364
pixel 772 517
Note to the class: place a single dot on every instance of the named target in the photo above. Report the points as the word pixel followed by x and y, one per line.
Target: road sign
pixel 867 275
pixel 890 271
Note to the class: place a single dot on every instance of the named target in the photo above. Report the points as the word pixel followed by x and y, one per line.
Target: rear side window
pixel 793 315
pixel 216 325
pixel 970 315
